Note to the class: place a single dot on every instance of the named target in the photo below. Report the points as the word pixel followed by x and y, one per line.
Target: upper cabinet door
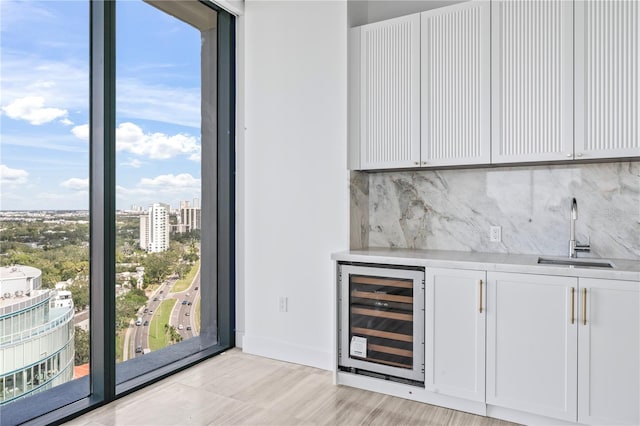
pixel 532 90
pixel 607 90
pixel 390 93
pixel 455 83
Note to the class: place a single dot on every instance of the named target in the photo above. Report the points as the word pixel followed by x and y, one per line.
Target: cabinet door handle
pixel 573 304
pixel 584 306
pixel 480 296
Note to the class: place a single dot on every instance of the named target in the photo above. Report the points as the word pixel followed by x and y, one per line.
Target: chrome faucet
pixel 574 246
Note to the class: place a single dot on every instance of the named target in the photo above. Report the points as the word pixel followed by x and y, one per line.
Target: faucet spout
pixel 574 246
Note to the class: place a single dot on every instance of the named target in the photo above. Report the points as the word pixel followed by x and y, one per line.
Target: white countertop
pixel 624 269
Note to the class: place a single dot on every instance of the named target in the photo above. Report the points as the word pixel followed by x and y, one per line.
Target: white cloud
pixel 66 122
pixel 157 146
pixel 171 182
pixel 169 188
pixel 81 132
pixel 76 184
pixel 66 81
pixel 176 105
pixel 31 109
pixel 162 185
pixel 12 176
pixel 133 162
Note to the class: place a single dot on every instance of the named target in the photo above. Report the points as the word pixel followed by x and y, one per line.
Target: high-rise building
pixel 154 229
pixel 189 216
pixel 36 344
pixel 144 231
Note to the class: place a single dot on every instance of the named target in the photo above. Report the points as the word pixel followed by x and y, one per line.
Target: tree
pixel 172 333
pixel 191 255
pixel 156 268
pixel 127 306
pixel 80 294
pixel 81 342
pixel 183 269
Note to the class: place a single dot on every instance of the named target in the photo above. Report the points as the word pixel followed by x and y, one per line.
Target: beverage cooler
pixel 381 321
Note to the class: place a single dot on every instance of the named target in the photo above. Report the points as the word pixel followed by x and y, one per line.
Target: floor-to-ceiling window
pixel 117 153
pixel 44 208
pixel 158 161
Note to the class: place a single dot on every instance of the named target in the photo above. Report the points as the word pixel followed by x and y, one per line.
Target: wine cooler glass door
pixel 382 320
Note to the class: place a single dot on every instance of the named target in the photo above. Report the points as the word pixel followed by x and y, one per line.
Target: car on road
pixel 188 328
pixel 146 310
pixel 138 349
pixel 139 321
pixel 180 327
pixel 184 302
pixel 146 323
pixel 189 303
pixel 161 291
pixel 187 313
pixel 196 289
pixel 155 299
pixel 150 311
pixel 187 295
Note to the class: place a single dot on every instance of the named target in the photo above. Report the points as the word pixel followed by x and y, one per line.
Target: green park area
pixel 159 336
pixel 183 283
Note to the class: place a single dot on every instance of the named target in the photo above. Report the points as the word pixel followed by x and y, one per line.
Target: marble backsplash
pixel 453 209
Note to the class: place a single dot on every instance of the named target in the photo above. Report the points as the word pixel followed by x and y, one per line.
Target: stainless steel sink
pixel 579 263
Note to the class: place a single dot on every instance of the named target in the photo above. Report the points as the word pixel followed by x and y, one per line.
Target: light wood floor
pixel 240 389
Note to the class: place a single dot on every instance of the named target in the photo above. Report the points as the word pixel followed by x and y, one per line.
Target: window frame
pixel 103 385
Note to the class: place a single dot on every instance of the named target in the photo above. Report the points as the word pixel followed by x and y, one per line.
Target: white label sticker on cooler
pixel 358 347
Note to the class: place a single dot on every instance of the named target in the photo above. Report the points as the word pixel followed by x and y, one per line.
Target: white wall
pixel 295 183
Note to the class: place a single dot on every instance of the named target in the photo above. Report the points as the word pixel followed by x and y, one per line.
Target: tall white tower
pixel 155 228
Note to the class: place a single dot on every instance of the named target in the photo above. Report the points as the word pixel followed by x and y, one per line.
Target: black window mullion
pixel 226 178
pixel 102 200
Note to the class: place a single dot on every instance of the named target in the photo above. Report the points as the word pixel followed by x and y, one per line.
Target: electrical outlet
pixel 283 303
pixel 495 234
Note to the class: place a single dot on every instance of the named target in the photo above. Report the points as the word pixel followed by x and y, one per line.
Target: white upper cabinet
pixel 390 93
pixel 455 332
pixel 455 84
pixel 506 81
pixel 607 52
pixel 532 90
pixel 609 352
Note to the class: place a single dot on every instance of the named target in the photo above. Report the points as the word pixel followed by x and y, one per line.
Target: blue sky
pixel 44 106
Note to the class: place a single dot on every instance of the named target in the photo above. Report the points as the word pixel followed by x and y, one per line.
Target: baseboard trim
pixel 413 393
pixel 287 351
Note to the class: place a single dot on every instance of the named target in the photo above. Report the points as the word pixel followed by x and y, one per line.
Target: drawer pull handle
pixel 480 296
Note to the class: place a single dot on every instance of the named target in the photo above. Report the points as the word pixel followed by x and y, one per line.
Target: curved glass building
pixel 36 334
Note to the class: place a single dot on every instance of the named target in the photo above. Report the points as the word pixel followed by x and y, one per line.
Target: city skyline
pixel 44 163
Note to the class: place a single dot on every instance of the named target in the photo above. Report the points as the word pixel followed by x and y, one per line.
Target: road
pixel 184 311
pixel 139 335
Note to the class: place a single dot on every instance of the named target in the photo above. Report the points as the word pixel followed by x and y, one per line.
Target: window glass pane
pixel 159 92
pixel 44 217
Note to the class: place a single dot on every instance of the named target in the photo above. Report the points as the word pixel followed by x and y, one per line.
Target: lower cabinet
pixel 532 357
pixel 563 347
pixel 609 352
pixel 455 332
